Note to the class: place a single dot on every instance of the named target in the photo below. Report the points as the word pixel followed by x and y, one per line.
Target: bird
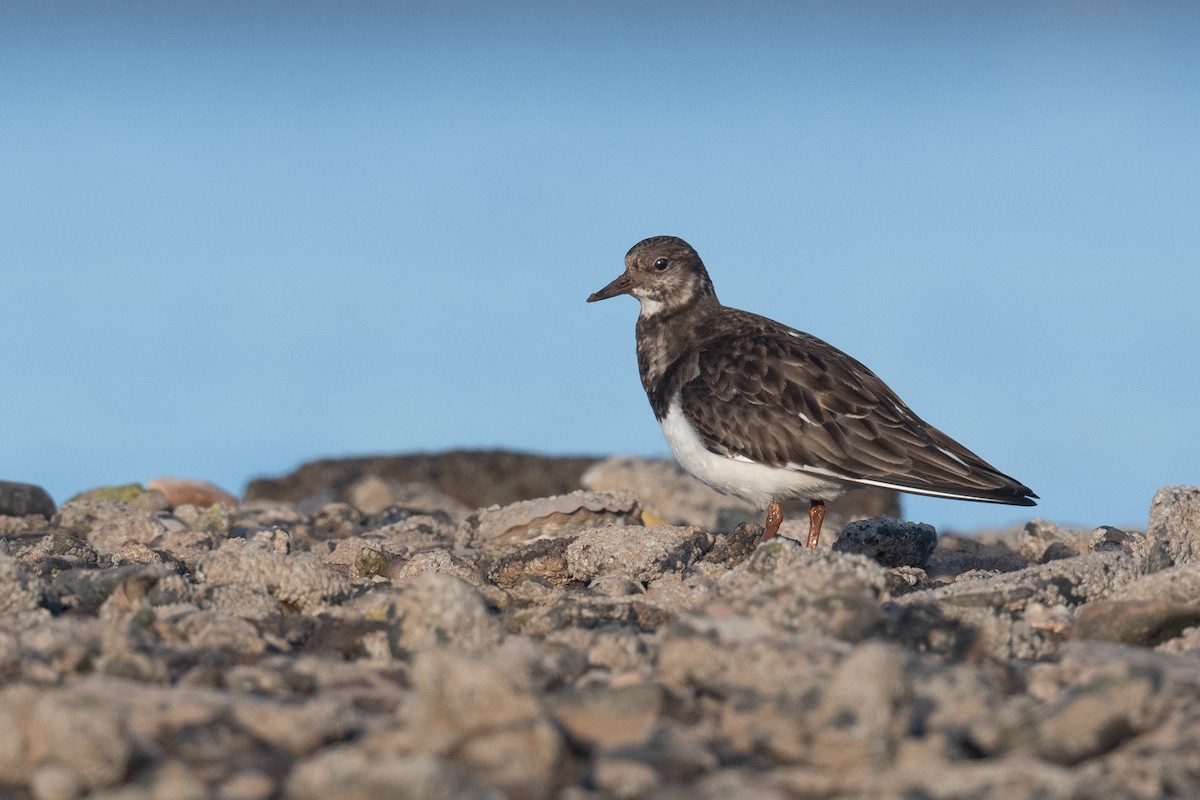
pixel 766 413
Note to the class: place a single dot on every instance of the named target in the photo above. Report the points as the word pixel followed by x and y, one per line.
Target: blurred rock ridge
pixel 486 624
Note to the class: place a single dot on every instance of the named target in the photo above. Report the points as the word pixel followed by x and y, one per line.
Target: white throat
pixel 650 306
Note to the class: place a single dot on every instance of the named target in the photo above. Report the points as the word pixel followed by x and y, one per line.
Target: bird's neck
pixel 665 337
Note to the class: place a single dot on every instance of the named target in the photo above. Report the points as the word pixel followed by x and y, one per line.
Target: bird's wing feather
pixel 784 398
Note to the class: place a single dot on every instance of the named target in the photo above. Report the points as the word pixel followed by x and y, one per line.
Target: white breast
pixel 738 476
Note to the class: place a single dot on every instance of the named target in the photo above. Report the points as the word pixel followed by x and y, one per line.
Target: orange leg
pixel 816 515
pixel 774 520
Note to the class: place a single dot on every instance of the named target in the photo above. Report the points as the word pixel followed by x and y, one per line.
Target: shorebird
pixel 765 413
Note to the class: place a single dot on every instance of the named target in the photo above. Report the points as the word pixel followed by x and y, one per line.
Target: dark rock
pixel 544 559
pixel 23 499
pixel 87 589
pixel 890 541
pixel 1106 538
pixel 731 549
pixel 476 478
pixel 51 553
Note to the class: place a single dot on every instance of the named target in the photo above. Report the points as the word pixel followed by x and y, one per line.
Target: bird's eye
pixel 661 264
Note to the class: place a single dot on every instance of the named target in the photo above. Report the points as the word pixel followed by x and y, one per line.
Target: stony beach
pixel 500 625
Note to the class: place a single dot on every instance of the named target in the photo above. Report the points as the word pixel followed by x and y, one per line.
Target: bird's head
pixel 664 273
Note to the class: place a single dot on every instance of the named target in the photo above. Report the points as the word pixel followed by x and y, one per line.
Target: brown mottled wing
pixel 789 399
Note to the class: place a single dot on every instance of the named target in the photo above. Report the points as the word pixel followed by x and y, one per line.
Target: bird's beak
pixel 622 285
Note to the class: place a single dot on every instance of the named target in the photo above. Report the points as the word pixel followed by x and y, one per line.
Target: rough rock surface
pixel 324 649
pixel 890 541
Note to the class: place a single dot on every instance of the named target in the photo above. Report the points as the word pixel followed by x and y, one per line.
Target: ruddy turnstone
pixel 766 413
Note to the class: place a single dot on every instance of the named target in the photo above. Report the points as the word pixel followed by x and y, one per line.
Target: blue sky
pixel 235 237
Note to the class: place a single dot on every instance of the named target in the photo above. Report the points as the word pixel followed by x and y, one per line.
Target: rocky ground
pixel 377 636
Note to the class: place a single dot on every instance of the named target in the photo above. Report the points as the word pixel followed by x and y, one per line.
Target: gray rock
pixel 376 495
pixel 1041 541
pixel 624 778
pixel 30 525
pixel 1106 537
pixel 1175 522
pixel 483 715
pixel 415 533
pixel 890 541
pixel 350 772
pixel 296 579
pixel 358 557
pixel 23 499
pixel 79 734
pixel 1070 581
pixel 438 610
pixel 1173 585
pixel 997 606
pixel 812 591
pixel 109 525
pixel 54 552
pixel 606 717
pixel 176 780
pixel 1095 717
pixel 1144 622
pixel 248 784
pixel 214 519
pixel 864 711
pixel 730 655
pixel 401 570
pixel 1018 778
pixel 20 589
pixel 640 553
